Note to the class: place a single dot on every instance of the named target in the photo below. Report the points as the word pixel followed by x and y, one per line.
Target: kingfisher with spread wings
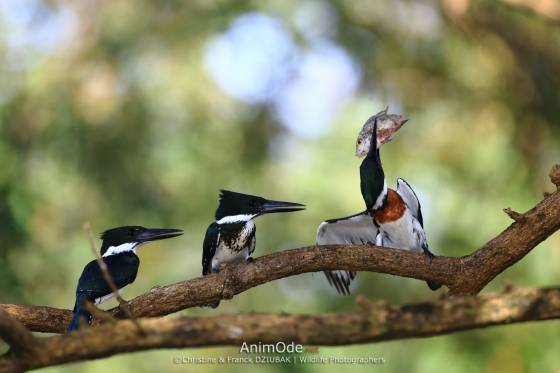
pixel 393 218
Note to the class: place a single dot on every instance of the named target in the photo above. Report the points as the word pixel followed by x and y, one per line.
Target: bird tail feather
pixel 340 280
pixel 79 313
pixel 433 285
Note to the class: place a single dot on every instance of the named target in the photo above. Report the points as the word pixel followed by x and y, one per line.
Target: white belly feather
pixel 241 252
pixel 105 297
pixel 401 233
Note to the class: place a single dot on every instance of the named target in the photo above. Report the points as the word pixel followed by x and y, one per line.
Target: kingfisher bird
pixel 358 229
pixel 118 251
pixel 231 237
pixel 391 219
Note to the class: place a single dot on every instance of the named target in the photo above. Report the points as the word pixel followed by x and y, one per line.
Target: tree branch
pixel 463 276
pixel 374 323
pixel 15 334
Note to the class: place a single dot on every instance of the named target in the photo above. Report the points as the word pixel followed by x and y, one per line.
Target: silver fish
pixel 387 126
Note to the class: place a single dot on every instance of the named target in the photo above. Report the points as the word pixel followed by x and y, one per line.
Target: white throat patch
pixel 381 197
pixel 236 218
pixel 113 250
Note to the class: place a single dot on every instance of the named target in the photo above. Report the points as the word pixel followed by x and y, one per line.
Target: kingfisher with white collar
pixel 392 218
pixel 118 251
pixel 231 238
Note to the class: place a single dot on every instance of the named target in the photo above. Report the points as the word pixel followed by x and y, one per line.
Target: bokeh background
pixel 136 112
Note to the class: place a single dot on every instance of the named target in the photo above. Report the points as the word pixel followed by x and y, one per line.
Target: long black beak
pixel 154 234
pixel 373 143
pixel 270 207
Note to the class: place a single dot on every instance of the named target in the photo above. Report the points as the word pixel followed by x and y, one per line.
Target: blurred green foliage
pixel 109 114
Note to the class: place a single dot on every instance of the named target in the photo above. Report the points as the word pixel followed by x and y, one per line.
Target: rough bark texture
pixel 529 229
pixel 14 333
pixel 464 276
pixel 238 278
pixel 373 323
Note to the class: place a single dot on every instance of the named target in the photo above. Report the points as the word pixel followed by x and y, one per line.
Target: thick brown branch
pixel 530 229
pixel 39 318
pixel 241 277
pixel 15 334
pixel 377 322
pixel 463 276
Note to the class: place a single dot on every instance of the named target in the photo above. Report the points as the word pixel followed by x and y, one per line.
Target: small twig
pixel 555 175
pixel 15 334
pixel 514 215
pixel 105 272
pixel 98 313
pixel 508 286
pixel 108 278
pixel 364 304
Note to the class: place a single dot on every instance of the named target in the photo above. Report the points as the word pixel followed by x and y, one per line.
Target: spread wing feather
pixel 411 199
pixel 352 230
pixel 405 191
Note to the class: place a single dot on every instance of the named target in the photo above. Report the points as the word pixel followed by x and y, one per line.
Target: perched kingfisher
pixel 231 238
pixel 392 218
pixel 118 251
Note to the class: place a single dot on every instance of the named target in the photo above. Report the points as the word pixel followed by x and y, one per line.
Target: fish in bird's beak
pixel 270 207
pixel 387 126
pixel 155 234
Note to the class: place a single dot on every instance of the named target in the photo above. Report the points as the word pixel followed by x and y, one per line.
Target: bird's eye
pixel 360 142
